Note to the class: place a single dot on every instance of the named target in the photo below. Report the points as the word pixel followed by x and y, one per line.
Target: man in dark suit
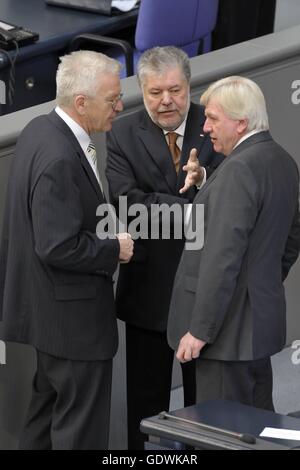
pixel 228 303
pixel 140 166
pixel 56 289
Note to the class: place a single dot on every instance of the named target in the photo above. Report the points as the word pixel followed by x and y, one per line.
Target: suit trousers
pixel 70 405
pixel 149 362
pixel 247 382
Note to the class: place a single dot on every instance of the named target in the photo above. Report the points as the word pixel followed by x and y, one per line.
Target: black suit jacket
pixel 140 166
pixel 56 290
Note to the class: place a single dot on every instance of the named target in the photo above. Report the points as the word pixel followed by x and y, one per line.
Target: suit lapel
pixel 62 126
pixel 155 143
pixel 91 176
pixel 211 178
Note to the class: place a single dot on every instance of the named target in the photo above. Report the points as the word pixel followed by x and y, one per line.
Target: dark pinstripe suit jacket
pixel 56 290
pixel 139 166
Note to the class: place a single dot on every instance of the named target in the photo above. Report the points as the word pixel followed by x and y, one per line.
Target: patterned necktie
pixel 91 150
pixel 174 149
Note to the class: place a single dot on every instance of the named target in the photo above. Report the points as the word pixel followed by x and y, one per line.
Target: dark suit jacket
pixel 230 293
pixel 140 166
pixel 56 290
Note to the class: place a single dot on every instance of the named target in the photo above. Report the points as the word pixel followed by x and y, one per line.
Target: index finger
pixel 193 156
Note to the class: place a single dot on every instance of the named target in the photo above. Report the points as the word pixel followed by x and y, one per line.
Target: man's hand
pixel 126 247
pixel 194 171
pixel 189 348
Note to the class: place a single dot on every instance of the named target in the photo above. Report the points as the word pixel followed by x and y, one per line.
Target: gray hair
pixel 80 73
pixel 160 59
pixel 240 98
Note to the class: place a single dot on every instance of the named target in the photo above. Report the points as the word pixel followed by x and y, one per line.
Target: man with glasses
pixel 114 103
pixel 56 289
pixel 144 165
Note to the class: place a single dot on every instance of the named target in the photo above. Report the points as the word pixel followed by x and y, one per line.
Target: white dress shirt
pixel 82 137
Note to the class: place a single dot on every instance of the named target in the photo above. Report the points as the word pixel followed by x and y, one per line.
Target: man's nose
pixel 207 126
pixel 166 98
pixel 119 106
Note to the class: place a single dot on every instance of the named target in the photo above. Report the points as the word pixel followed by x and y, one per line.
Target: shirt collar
pixel 246 136
pixel 80 134
pixel 180 129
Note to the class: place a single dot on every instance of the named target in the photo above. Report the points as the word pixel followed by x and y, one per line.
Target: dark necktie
pixel 174 149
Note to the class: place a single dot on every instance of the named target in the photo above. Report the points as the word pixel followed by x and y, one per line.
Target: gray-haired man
pixel 56 290
pixel 228 304
pixel 140 166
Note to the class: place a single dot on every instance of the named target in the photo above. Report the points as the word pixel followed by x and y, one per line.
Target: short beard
pixel 169 128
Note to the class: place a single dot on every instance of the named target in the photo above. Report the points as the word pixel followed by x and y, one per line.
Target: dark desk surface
pixel 234 417
pixel 240 418
pixel 56 25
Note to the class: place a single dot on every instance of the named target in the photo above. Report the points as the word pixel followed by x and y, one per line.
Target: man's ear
pixel 80 104
pixel 243 126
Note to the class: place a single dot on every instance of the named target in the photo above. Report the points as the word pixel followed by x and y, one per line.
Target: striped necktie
pixel 91 150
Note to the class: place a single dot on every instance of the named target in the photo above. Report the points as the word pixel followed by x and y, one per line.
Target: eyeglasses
pixel 115 101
